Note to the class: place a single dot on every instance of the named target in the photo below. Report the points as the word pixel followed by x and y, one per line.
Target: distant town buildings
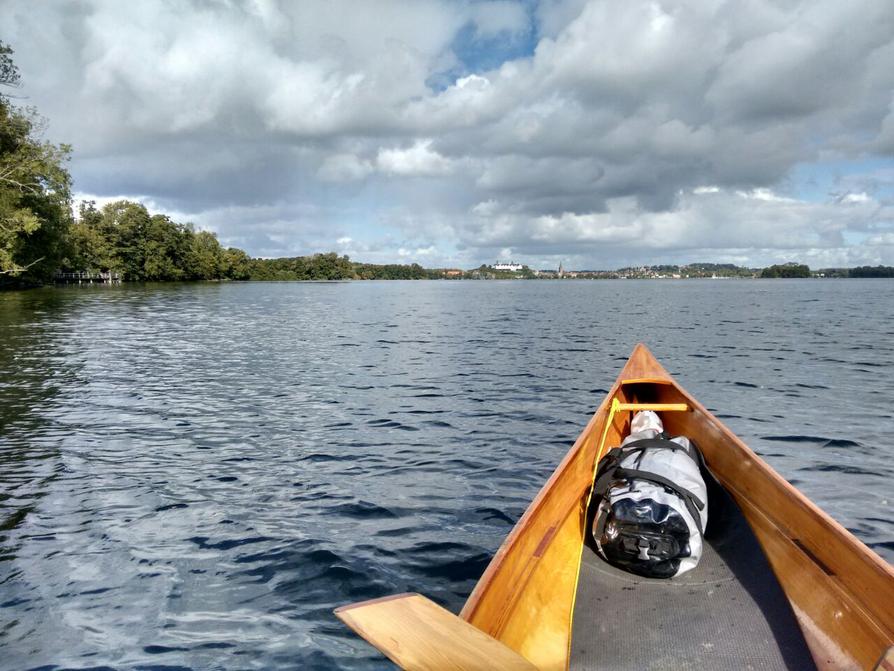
pixel 513 270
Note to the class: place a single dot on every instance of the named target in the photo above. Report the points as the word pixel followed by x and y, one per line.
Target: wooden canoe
pixel 783 586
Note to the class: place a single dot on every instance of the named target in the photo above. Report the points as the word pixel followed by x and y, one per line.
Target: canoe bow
pixel 841 592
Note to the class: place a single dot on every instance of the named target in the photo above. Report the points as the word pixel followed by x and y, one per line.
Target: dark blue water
pixel 193 476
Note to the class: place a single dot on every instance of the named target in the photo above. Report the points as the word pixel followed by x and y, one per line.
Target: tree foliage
pixel 35 190
pixel 872 271
pixel 124 237
pixel 786 270
pixel 329 266
pixel 393 271
pixel 9 73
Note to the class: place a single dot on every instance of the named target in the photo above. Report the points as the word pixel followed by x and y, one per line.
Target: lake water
pixel 193 476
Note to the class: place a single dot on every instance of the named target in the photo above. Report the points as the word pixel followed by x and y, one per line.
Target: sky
pixel 451 133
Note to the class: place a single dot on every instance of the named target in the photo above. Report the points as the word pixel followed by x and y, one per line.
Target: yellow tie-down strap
pixel 615 408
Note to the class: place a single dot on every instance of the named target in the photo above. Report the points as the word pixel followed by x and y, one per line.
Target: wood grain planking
pixel 848 580
pixel 525 599
pixel 418 635
pixel 842 593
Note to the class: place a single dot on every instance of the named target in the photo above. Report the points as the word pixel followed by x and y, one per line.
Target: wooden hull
pixel 841 592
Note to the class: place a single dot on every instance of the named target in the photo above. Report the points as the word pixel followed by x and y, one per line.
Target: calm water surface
pixel 193 476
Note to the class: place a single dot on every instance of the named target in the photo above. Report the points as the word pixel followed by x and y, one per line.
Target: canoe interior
pixel 728 613
pixel 840 592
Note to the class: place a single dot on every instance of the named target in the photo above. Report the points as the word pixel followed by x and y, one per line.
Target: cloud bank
pixel 598 133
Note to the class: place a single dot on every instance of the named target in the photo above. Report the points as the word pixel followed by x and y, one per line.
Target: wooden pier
pixel 84 277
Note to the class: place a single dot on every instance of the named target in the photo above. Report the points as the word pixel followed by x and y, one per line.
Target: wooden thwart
pixel 419 635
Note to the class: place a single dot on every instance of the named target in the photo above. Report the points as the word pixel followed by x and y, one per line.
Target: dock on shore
pixel 83 277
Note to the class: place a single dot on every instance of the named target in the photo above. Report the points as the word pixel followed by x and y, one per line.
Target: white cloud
pixel 418 160
pixel 710 220
pixel 665 125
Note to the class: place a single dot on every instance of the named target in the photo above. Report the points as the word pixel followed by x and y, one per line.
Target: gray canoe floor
pixel 728 613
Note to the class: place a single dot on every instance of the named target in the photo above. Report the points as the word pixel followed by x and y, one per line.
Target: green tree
pixel 786 270
pixel 88 248
pixel 124 237
pixel 237 264
pixel 35 190
pixel 206 257
pixel 870 271
pixel 125 226
pixel 9 73
pixel 167 248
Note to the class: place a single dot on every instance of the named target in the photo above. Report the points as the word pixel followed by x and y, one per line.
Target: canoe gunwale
pixel 856 578
pixel 841 592
pixel 521 527
pixel 641 368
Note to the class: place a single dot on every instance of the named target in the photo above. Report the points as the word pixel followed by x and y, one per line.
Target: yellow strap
pixel 616 407
pixel 655 407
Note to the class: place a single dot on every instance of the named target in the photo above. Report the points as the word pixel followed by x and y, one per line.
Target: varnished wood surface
pixel 419 635
pixel 842 592
pixel 526 596
pixel 527 601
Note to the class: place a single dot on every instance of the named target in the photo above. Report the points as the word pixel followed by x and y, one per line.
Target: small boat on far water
pixel 780 584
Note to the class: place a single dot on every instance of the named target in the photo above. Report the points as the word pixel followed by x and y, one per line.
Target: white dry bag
pixel 651 502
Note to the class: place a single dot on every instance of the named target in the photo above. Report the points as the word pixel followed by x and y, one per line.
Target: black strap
pixel 618 473
pixel 703 464
pixel 635 473
pixel 692 502
pixel 660 443
pixel 610 470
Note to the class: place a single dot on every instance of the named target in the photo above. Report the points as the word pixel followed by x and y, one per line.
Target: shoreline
pixel 62 285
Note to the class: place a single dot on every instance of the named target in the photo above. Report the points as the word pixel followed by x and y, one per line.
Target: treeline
pixel 871 271
pixel 800 270
pixel 331 266
pixel 786 270
pixel 393 271
pixel 123 237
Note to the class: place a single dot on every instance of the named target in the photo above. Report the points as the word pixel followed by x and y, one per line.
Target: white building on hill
pixel 503 265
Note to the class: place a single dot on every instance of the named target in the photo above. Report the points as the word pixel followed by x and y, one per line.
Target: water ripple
pixel 193 476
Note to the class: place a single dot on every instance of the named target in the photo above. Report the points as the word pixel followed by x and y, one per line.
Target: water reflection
pixel 32 371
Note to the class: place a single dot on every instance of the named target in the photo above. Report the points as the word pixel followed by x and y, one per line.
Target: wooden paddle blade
pixel 419 635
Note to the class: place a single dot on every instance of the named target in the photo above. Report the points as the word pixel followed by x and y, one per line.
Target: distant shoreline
pixel 363 280
pixel 329 267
